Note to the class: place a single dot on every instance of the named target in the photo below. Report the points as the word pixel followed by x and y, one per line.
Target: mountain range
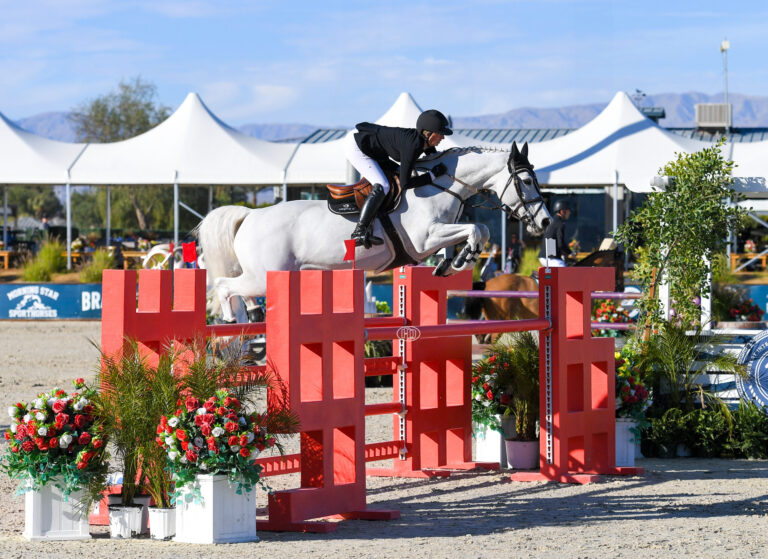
pixel 749 111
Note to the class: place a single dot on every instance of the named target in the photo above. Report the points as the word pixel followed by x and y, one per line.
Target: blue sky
pixel 336 62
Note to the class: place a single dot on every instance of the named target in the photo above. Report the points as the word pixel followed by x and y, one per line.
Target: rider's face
pixel 434 139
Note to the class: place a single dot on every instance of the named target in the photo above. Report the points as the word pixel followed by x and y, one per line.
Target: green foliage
pixel 34 200
pixel 674 360
pixel 101 260
pixel 681 228
pixel 529 262
pixel 665 432
pixel 50 259
pixel 506 381
pixel 750 431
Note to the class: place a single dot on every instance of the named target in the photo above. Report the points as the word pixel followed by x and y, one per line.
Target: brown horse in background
pixel 507 308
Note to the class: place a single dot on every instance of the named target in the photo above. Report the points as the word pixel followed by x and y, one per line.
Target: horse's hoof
pixel 255 315
pixel 441 269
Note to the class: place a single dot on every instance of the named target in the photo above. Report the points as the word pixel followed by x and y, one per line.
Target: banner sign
pixel 41 301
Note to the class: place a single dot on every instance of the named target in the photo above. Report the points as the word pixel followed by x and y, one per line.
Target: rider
pixel 556 230
pixel 373 146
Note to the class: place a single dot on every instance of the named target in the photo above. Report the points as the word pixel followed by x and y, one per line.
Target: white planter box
pixel 489 444
pixel 221 516
pixel 625 442
pixel 523 455
pixel 126 522
pixel 162 523
pixel 48 516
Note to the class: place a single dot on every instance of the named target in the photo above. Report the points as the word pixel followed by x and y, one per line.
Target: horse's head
pixel 520 196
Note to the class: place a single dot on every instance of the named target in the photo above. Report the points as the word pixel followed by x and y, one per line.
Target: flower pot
pixel 162 523
pixel 48 515
pixel 625 442
pixel 488 444
pixel 124 521
pixel 220 515
pixel 522 455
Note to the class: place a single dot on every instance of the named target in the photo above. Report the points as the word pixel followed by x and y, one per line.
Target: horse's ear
pixel 515 151
pixel 524 153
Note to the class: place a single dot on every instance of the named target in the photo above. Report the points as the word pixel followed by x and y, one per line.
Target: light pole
pixel 724 46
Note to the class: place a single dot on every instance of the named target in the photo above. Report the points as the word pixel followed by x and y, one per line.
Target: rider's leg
pixel 362 233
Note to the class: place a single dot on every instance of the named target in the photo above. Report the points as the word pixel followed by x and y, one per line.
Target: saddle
pixel 348 199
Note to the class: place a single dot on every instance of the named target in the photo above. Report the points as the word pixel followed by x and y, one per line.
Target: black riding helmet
pixel 561 205
pixel 434 121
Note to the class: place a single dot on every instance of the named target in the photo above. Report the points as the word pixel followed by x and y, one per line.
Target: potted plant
pixel 487 424
pixel 124 408
pixel 632 400
pixel 521 379
pixel 55 448
pixel 211 441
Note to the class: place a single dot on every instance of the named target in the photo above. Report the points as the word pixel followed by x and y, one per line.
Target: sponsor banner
pixel 43 301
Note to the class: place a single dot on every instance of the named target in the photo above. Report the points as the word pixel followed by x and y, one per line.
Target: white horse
pixel 242 244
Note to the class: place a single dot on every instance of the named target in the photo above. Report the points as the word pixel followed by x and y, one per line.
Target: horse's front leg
pixel 444 235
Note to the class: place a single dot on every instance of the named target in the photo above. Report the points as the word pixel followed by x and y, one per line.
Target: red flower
pixel 227 401
pixel 243 440
pixel 230 426
pixel 475 379
pixel 80 421
pixel 88 409
pixel 41 444
pixel 84 438
pixel 53 442
pixel 209 406
pixel 245 453
pixel 492 359
pixel 191 403
pixel 14 449
pixel 62 418
pixel 21 432
pixel 191 456
pixel 59 406
pixel 160 429
pixel 7 435
pixel 98 443
pixel 489 395
pixel 222 410
pixel 208 418
pixel 233 440
pixel 205 429
pixel 184 445
pixel 82 465
pixel 181 434
pixel 79 382
pixel 271 441
pixel 485 386
pixel 27 446
pixel 504 399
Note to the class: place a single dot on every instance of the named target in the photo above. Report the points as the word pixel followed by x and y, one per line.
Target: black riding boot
pixel 363 232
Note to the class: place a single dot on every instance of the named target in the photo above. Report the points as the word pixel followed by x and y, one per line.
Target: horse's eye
pixel 528 181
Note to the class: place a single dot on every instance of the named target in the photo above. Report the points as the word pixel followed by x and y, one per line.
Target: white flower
pixel 39 403
pixel 183 460
pixel 234 447
pixel 169 441
pixel 173 422
pixel 27 418
pixel 172 456
pixel 242 420
pixel 201 411
pixel 199 442
pixel 40 416
pixel 203 466
pixel 217 431
pixel 84 401
pixel 13 427
pixel 486 403
pixel 77 406
pixel 64 440
pixel 254 454
pixel 250 436
pixel 12 411
pixel 52 400
pixel 43 431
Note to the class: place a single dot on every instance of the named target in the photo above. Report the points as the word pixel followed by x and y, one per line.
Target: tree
pixel 127 112
pixel 37 201
pixel 678 231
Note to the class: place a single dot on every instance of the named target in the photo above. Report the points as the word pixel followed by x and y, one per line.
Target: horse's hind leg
pixel 243 285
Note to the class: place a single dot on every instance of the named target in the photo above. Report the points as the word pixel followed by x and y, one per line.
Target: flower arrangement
pixel 143 244
pixel 749 246
pixel 607 311
pixel 77 244
pixel 507 381
pixel 746 310
pixel 574 246
pixel 632 396
pixel 53 439
pixel 216 436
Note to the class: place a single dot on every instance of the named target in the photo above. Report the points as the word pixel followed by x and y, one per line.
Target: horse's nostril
pixel 545 222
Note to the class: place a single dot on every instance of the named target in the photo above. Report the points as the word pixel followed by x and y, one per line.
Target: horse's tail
pixel 216 234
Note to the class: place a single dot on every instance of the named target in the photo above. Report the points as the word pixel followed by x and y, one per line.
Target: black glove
pixel 439 170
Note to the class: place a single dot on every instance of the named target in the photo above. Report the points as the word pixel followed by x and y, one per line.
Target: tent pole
pixel 615 200
pixel 5 217
pixel 210 198
pixel 69 223
pixel 109 214
pixel 503 240
pixel 175 216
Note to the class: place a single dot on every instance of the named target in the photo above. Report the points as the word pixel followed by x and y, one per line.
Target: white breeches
pixel 553 262
pixel 366 166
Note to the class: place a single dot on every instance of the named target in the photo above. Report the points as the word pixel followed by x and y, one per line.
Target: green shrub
pixel 49 260
pixel 750 432
pixel 665 433
pixel 530 261
pixel 709 432
pixel 91 272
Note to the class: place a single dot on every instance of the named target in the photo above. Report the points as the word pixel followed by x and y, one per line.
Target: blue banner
pixel 41 301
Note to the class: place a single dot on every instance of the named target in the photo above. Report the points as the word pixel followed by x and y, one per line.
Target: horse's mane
pixel 463 151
